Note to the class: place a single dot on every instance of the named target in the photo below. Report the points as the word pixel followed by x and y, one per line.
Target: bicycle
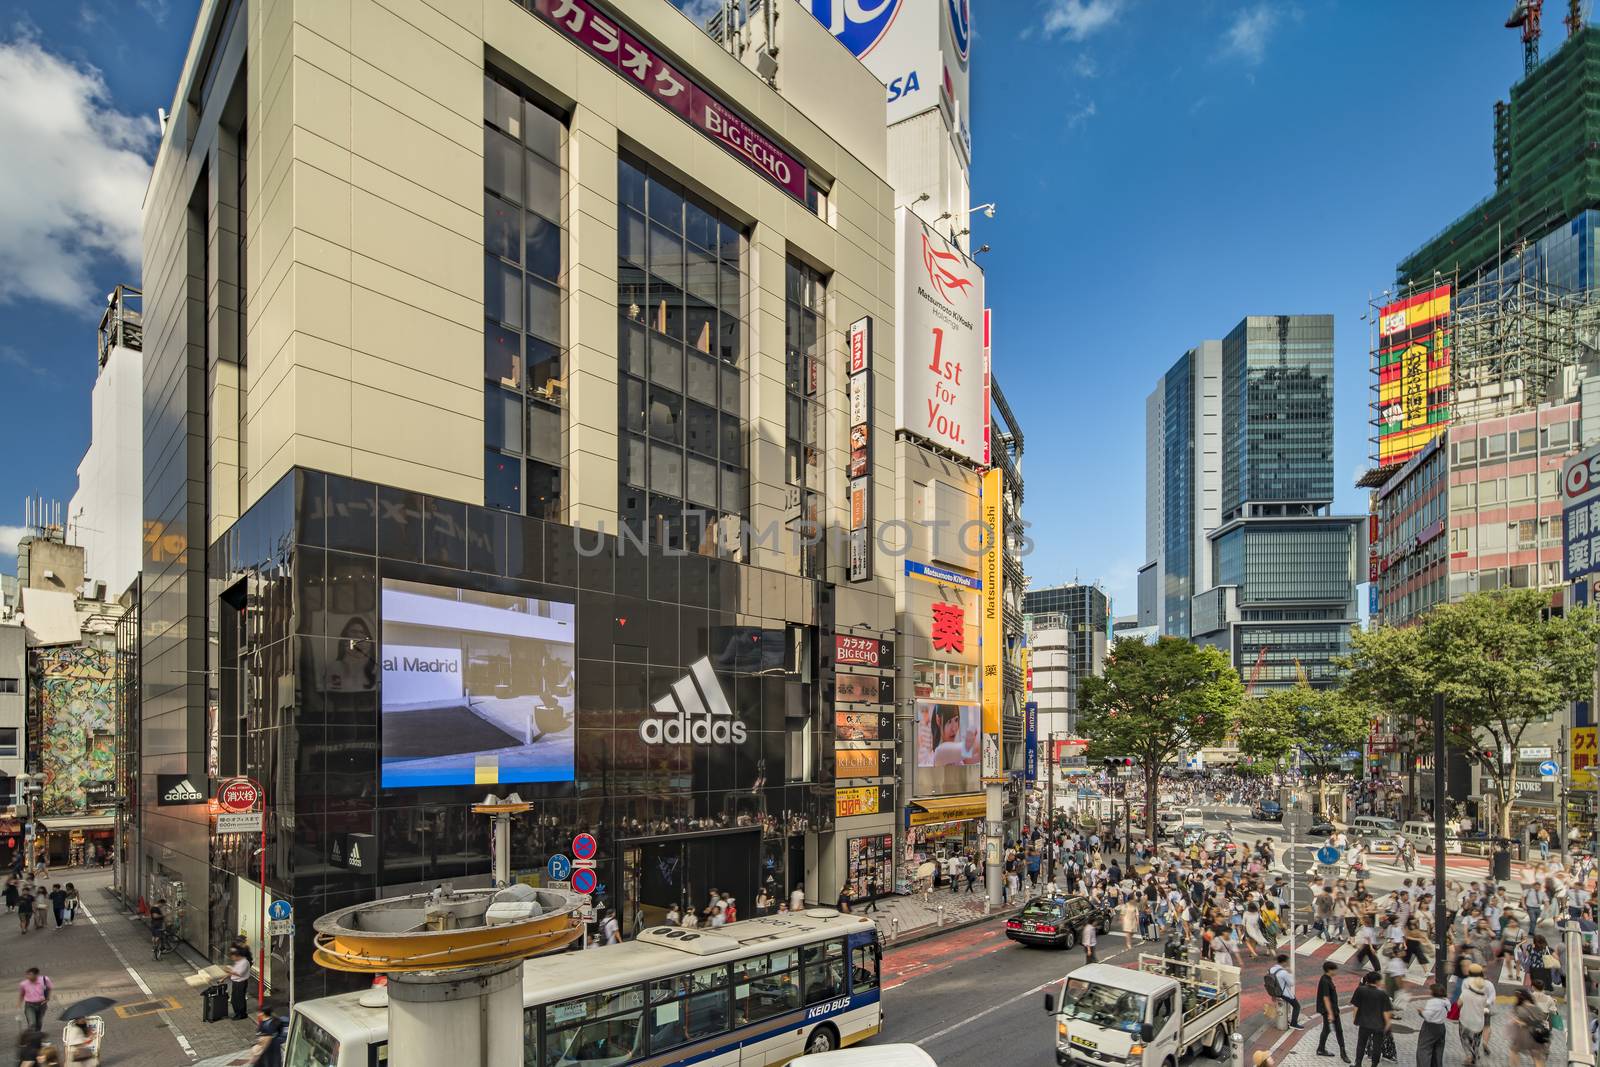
pixel 163 941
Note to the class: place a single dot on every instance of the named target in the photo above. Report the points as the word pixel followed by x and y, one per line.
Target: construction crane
pixel 1575 17
pixel 1525 16
pixel 1255 672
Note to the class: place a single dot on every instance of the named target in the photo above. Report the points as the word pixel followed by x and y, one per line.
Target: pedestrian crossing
pixel 1314 947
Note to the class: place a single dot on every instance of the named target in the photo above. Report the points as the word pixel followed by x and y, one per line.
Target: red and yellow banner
pixel 1413 373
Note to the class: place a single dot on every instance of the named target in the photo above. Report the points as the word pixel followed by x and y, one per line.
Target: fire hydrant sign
pixel 943 389
pixel 238 795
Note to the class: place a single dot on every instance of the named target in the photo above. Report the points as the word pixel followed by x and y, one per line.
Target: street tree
pixel 1503 661
pixel 1386 671
pixel 1320 725
pixel 1156 701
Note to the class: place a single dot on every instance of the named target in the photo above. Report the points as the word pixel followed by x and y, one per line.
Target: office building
pixel 489 389
pixel 1183 486
pixel 1246 555
pixel 1073 622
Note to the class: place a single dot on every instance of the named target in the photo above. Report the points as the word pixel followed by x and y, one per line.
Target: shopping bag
pixel 1389 1051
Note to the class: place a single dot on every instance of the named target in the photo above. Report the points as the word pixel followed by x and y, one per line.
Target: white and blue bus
pixel 757 992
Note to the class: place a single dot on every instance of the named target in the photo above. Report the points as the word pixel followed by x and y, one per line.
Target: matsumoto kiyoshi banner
pixel 942 393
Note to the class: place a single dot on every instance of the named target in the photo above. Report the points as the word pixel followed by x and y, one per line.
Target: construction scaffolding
pixel 1512 339
pixel 1505 343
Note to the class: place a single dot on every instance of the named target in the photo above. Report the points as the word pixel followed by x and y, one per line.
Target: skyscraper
pixel 1246 555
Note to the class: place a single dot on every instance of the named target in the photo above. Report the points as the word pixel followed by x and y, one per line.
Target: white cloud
pixel 1078 19
pixel 74 177
pixel 1085 66
pixel 9 536
pixel 1080 112
pixel 1246 37
pixel 699 10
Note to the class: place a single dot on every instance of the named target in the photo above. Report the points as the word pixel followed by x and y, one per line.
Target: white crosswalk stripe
pixel 1342 953
pixel 1310 947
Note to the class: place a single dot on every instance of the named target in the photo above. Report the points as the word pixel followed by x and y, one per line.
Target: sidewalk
pixel 156 1021
pixel 902 919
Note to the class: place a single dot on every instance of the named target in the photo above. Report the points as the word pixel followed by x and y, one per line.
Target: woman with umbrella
pixel 85 1029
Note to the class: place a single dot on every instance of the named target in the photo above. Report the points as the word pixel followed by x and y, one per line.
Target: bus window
pixel 604 1028
pixel 309 1045
pixel 824 971
pixel 688 1007
pixel 863 968
pixel 765 986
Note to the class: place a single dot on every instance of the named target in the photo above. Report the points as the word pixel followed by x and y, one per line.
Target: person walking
pixel 72 902
pixel 1374 1017
pixel 797 899
pixel 1530 1028
pixel 1285 982
pixel 1328 1007
pixel 41 907
pixel 11 893
pixel 25 911
pixel 270 1029
pixel 872 895
pixel 58 904
pixel 1091 938
pixel 1430 1041
pixel 1473 1011
pixel 33 997
pixel 238 981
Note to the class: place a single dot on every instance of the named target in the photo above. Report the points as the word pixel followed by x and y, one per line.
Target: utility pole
pixel 1439 918
pixel 1561 783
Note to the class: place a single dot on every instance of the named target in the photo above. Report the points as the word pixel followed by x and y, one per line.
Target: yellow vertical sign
pixel 991 642
pixel 1583 757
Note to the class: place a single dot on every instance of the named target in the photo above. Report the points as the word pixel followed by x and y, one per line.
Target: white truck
pixel 1150 1017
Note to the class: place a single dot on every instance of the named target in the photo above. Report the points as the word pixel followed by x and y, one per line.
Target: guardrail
pixel 1580 1050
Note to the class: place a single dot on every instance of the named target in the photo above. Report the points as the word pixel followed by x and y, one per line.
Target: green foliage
pixel 1322 724
pixel 1501 662
pixel 1156 701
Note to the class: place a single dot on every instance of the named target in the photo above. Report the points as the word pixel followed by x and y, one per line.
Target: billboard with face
pixel 948 735
pixel 477 688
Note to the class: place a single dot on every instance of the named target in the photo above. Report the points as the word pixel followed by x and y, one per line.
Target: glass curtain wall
pixel 524 178
pixel 804 329
pixel 682 466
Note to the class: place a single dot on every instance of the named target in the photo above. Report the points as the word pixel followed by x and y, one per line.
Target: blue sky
pixel 1161 169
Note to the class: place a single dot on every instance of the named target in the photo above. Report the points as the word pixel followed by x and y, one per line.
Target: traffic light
pixel 1117 764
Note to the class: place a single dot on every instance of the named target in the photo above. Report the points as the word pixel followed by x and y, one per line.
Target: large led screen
pixel 478 688
pixel 948 735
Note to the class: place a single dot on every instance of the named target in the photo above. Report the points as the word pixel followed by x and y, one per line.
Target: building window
pixel 805 298
pixel 524 362
pixel 10 685
pixel 8 740
pixel 681 461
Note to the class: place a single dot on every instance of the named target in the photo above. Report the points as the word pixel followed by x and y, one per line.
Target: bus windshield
pixel 1116 1009
pixel 309 1045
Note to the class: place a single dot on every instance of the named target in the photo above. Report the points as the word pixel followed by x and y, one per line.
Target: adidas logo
pixel 695 711
pixel 182 792
pixel 353 857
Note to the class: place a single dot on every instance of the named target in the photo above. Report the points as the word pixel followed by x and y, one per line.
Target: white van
pixel 1420 834
pixel 1194 819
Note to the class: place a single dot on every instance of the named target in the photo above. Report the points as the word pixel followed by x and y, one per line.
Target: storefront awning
pixel 57 823
pixel 948 809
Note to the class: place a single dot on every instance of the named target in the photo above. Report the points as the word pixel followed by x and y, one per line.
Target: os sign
pixel 1580 514
pixel 238 795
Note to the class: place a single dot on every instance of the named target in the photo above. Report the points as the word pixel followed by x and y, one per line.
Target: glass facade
pixel 1292 651
pixel 524 360
pixel 1275 562
pixel 804 333
pixel 683 472
pixel 296 624
pixel 1277 412
pixel 1179 510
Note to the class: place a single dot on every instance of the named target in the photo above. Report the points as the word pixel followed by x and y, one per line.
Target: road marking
pixel 1311 947
pixel 1342 953
pixel 147 1007
pixel 1012 1000
pixel 172 1025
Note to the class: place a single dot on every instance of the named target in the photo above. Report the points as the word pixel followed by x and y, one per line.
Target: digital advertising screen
pixel 948 735
pixel 478 688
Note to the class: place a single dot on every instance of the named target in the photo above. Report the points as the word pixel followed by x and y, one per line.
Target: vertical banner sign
pixel 1031 743
pixel 988 384
pixel 942 394
pixel 1580 514
pixel 858 472
pixel 990 641
pixel 1582 751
